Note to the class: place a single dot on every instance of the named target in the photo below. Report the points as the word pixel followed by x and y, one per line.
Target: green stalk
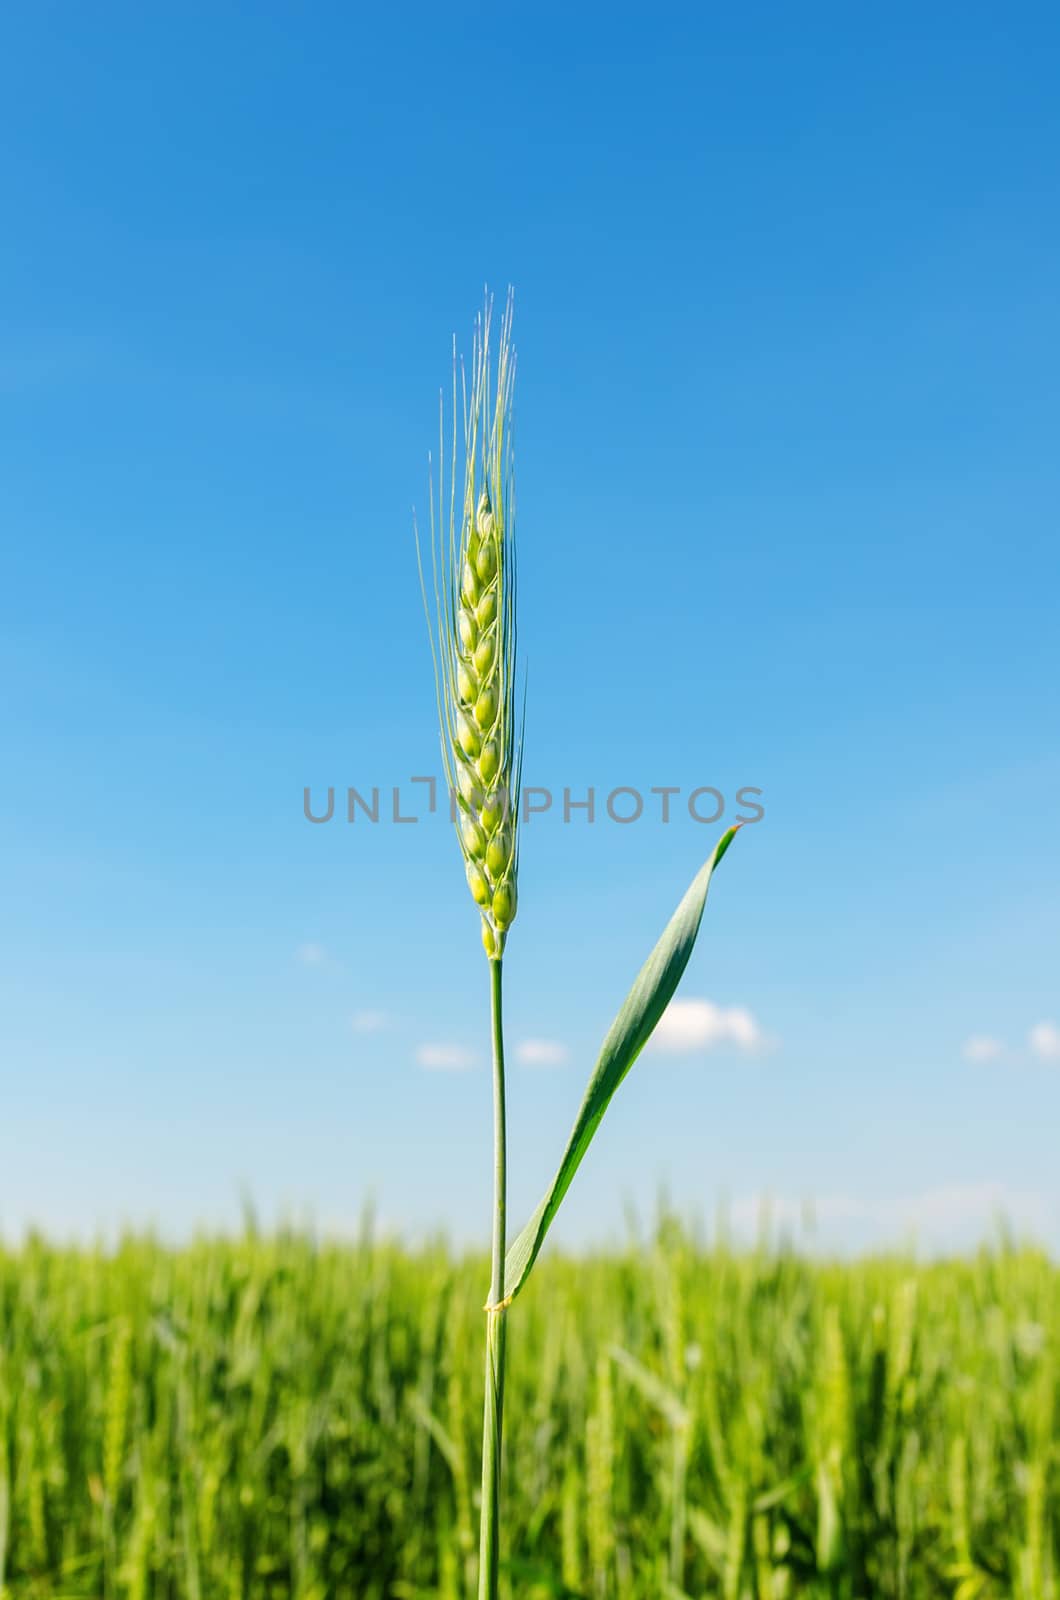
pixel 496 1319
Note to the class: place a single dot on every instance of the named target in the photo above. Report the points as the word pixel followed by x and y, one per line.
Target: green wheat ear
pixel 472 627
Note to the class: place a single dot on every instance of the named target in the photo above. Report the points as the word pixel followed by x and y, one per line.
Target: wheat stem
pixel 496 1319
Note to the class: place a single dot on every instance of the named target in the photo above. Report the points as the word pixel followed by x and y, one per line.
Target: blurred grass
pixel 273 1417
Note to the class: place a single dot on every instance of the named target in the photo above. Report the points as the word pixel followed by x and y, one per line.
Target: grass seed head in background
pixel 471 616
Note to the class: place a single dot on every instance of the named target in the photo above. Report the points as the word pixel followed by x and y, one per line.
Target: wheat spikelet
pixel 472 626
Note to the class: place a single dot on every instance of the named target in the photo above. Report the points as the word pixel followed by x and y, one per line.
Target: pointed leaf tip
pixel 652 991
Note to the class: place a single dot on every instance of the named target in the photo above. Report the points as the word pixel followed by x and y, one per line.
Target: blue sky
pixel 787 320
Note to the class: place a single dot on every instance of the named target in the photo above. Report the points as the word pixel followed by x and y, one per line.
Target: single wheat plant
pixel 470 597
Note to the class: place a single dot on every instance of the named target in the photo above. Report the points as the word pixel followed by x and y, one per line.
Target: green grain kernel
pixel 478 883
pixel 474 840
pixel 486 708
pixel 504 904
pixel 499 852
pixel 466 684
pixel 468 736
pixel 486 560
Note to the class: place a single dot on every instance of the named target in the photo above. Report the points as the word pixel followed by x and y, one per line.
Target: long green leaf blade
pixel 629 1033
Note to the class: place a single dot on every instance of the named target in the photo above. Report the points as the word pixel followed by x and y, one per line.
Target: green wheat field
pixel 278 1417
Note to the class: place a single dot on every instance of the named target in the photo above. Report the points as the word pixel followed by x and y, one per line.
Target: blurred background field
pixel 277 1416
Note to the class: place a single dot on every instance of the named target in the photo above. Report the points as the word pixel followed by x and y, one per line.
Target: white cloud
pixel 981 1047
pixel 1044 1040
pixel 688 1025
pixel 311 955
pixel 444 1057
pixel 369 1021
pixel 541 1052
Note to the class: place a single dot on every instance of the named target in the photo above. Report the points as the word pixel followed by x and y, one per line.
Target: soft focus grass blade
pixel 629 1033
